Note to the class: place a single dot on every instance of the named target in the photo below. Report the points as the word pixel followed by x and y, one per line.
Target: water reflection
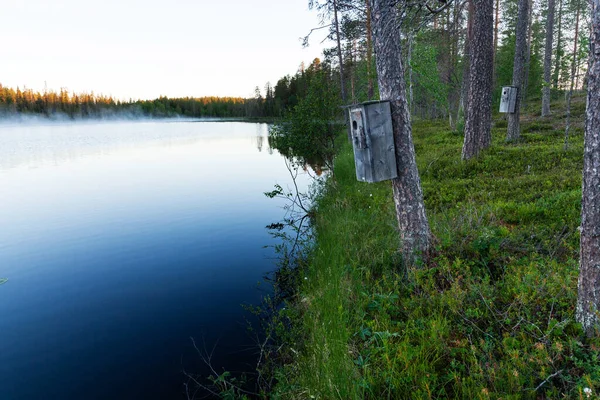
pixel 122 241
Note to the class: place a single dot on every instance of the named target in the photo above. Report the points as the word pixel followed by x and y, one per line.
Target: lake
pixel 121 241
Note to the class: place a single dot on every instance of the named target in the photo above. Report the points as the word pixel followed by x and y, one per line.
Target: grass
pixel 492 314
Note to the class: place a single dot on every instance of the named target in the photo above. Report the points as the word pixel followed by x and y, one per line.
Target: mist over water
pixel 123 240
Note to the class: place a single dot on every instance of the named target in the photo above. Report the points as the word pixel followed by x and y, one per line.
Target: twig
pixel 547 379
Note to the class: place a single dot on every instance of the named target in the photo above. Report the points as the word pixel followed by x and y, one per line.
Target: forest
pixel 275 103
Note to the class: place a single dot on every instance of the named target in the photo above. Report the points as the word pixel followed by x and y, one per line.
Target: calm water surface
pixel 123 240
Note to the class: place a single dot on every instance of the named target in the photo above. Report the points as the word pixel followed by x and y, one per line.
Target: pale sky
pixel 146 48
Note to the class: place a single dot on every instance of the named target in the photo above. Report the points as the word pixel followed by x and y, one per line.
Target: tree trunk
pixel 408 196
pixel 496 27
pixel 548 59
pixel 411 98
pixel 454 88
pixel 556 75
pixel 573 72
pixel 339 50
pixel 588 299
pixel 527 55
pixel 370 87
pixel 514 129
pixel 478 122
pixel 464 93
pixel 352 73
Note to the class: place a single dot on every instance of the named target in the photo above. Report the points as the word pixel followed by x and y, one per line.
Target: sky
pixel 142 49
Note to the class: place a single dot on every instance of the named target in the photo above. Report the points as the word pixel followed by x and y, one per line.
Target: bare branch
pixel 305 38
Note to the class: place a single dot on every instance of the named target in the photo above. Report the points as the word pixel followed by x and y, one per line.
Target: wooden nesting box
pixel 373 141
pixel 508 100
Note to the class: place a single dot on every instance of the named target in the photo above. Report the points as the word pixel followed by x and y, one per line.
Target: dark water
pixel 120 242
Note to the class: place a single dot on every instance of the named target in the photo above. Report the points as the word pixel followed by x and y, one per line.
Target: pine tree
pixel 588 300
pixel 478 121
pixel 514 129
pixel 548 58
pixel 408 196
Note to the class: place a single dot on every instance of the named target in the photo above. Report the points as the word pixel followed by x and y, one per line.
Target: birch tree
pixel 588 301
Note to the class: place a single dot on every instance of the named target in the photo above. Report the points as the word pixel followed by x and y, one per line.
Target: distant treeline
pixel 62 104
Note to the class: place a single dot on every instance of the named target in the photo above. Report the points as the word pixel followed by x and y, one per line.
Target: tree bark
pixel 548 59
pixel 514 128
pixel 496 31
pixel 588 299
pixel 556 75
pixel 352 73
pixel 370 86
pixel 478 122
pixel 454 88
pixel 573 72
pixel 464 92
pixel 339 50
pixel 408 196
pixel 411 99
pixel 527 55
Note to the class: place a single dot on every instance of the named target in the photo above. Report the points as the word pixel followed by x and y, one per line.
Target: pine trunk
pixel 556 75
pixel 527 56
pixel 514 128
pixel 453 86
pixel 411 99
pixel 408 196
pixel 464 94
pixel 588 300
pixel 478 120
pixel 496 29
pixel 573 72
pixel 548 59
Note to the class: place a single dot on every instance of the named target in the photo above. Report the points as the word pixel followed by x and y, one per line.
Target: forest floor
pixel 492 313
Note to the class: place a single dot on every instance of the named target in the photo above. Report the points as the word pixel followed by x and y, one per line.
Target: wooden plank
pixel 359 143
pixel 382 151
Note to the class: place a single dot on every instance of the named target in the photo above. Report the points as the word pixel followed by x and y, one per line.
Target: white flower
pixel 587 391
pixel 371 195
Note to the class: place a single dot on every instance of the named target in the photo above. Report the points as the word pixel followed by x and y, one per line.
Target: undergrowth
pixel 492 314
